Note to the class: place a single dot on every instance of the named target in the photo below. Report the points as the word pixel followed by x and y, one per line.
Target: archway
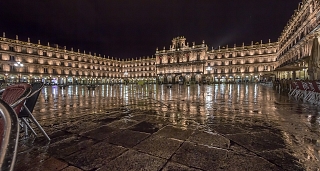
pixel 208 79
pixel 169 79
pixel 198 78
pixel 187 78
pixel 179 79
pixel 161 79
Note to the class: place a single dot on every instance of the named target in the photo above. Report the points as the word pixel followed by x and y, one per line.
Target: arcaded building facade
pixel 184 63
pixel 27 62
pixel 299 37
pixel 296 54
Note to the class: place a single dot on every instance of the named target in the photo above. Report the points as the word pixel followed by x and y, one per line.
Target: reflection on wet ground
pixel 207 127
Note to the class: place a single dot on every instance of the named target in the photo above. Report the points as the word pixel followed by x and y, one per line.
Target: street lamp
pixel 18 64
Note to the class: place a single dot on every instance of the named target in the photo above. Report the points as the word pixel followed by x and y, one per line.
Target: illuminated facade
pixel 290 57
pixel 54 65
pixel 139 69
pixel 185 64
pixel 296 43
pixel 181 62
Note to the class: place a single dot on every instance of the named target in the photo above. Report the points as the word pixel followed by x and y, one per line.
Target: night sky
pixel 134 28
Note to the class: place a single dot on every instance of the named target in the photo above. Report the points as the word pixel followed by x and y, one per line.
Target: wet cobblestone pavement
pixel 208 127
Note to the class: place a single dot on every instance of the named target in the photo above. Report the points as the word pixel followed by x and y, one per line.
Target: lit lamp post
pixel 18 65
pixel 209 69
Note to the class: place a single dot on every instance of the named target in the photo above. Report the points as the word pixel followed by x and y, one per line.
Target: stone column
pixel 294 75
pixel 317 74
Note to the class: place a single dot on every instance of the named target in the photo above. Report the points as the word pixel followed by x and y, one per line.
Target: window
pixel 247 69
pixel 45 70
pixel 12 58
pixel 198 57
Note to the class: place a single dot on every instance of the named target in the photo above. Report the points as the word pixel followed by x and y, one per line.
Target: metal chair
pixel 26 113
pixel 15 95
pixel 9 136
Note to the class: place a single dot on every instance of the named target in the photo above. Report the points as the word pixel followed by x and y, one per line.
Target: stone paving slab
pixel 199 156
pixel 95 156
pixel 133 160
pixel 239 162
pixel 171 166
pixel 227 129
pixel 123 123
pixel 209 139
pixel 71 168
pixel 159 146
pixel 147 127
pixel 82 126
pixel 101 133
pixel 51 164
pixel 30 159
pixel 259 141
pixel 202 157
pixel 128 138
pixel 66 147
pixel 282 158
pixel 174 132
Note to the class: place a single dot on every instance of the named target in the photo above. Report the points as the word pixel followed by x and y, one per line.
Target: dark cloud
pixel 132 28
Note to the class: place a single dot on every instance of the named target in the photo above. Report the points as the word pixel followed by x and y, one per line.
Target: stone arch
pixel 188 78
pixel 170 79
pixel 198 78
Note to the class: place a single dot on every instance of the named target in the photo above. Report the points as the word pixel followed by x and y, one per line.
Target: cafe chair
pixel 9 136
pixel 26 113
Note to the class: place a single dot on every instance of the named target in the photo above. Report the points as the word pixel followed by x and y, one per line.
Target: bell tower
pixel 178 43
